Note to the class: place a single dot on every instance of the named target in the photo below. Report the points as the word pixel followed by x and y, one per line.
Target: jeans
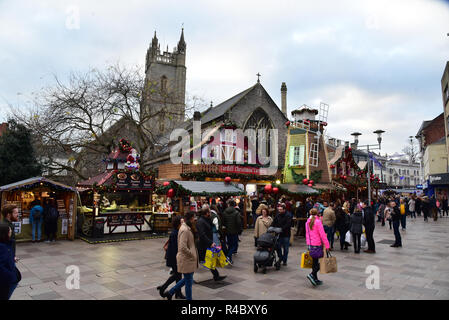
pixel 282 245
pixel 37 224
pixel 216 239
pixel 330 232
pixel 176 276
pixel 370 238
pixel 188 282
pixel 397 235
pixel 233 242
pixel 403 220
pixel 357 241
pixel 412 214
pixel 11 290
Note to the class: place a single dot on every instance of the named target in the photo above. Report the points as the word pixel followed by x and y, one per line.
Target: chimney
pixel 197 116
pixel 284 98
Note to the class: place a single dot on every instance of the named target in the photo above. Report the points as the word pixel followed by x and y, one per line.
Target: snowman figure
pixel 132 161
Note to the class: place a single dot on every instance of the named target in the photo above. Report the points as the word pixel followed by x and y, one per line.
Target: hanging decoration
pixel 268 188
pixel 227 179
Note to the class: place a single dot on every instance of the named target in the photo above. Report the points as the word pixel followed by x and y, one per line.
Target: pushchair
pixel 266 255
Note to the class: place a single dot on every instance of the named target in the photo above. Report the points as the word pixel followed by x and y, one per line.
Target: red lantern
pixel 227 179
pixel 287 123
pixel 344 177
pixel 305 181
pixel 310 185
pixel 275 190
pixel 170 193
pixel 311 182
pixel 166 183
pixel 268 188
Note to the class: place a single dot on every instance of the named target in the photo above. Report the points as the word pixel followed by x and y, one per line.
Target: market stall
pixel 41 189
pixel 119 200
pixel 184 196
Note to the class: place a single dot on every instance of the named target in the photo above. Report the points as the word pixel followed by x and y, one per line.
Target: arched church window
pixel 259 119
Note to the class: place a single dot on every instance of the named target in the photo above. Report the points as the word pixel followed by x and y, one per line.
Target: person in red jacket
pixel 315 237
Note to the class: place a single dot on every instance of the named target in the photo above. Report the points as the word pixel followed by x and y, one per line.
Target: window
pixel 164 84
pixel 296 156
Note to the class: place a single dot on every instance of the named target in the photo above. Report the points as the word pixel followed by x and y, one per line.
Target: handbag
pixel 166 245
pixel 306 260
pixel 328 264
pixel 315 252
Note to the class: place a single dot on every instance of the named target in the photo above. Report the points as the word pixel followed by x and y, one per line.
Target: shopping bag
pixel 210 261
pixel 363 240
pixel 306 260
pixel 222 261
pixel 348 237
pixel 328 264
pixel 292 236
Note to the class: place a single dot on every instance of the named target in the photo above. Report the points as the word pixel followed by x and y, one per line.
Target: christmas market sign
pixel 242 170
pixel 115 220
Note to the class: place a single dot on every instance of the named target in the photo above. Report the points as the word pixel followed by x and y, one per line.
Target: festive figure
pixel 132 161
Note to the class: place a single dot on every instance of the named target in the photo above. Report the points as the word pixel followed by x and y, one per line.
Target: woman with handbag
pixel 171 250
pixel 9 274
pixel 315 237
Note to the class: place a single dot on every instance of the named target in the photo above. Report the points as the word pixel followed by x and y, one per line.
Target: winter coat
pixel 51 215
pixel 205 236
pixel 283 221
pixel 329 217
pixel 342 219
pixel 172 249
pixel 356 222
pixel 396 214
pixel 232 221
pixel 262 226
pixel 316 236
pixel 187 256
pixel 369 218
pixel 12 239
pixel 8 270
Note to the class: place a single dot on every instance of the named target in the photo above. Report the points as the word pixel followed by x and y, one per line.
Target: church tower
pixel 165 86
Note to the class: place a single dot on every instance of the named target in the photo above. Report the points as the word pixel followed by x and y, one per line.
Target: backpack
pixel 36 213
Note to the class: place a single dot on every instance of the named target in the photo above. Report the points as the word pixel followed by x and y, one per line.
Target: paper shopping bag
pixel 306 260
pixel 328 264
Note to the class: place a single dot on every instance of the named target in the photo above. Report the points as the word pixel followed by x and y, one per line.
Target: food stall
pixel 24 192
pixel 183 196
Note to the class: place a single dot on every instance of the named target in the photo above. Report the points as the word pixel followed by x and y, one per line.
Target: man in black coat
pixel 205 236
pixel 396 217
pixel 283 221
pixel 369 221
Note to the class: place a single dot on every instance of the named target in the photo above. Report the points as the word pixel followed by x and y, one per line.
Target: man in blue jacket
pixel 36 218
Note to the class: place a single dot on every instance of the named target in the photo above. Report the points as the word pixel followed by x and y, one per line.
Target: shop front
pixel 438 185
pixel 39 190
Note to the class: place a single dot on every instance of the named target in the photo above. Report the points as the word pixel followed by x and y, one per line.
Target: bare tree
pixel 411 150
pixel 84 119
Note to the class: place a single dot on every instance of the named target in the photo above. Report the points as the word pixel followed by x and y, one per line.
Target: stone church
pixel 252 108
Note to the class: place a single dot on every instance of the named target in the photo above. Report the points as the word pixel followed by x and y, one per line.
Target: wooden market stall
pixel 23 193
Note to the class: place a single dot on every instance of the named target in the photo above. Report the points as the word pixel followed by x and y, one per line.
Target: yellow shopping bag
pixel 210 260
pixel 221 260
pixel 306 260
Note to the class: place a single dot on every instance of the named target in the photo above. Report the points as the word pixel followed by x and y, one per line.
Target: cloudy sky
pixel 378 64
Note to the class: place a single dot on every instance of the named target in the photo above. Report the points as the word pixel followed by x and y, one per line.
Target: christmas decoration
pixel 227 179
pixel 268 188
pixel 166 183
pixel 132 161
pixel 310 185
pixel 287 123
pixel 305 181
pixel 170 193
pixel 275 190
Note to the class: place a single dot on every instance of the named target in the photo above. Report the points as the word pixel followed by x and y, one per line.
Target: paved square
pixel 133 269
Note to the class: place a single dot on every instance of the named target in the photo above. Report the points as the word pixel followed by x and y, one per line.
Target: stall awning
pixel 35 182
pixel 330 186
pixel 298 189
pixel 202 188
pixel 104 178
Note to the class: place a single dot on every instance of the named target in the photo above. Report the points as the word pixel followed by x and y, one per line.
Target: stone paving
pixel 133 269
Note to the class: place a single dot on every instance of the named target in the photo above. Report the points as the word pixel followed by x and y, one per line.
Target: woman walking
pixel 9 274
pixel 172 251
pixel 356 228
pixel 396 218
pixel 186 258
pixel 315 237
pixel 263 222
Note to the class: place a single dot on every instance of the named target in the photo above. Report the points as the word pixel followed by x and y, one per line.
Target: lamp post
pixel 373 147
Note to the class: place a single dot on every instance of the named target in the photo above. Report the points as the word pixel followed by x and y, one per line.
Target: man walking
pixel 396 217
pixel 369 221
pixel 283 221
pixel 232 224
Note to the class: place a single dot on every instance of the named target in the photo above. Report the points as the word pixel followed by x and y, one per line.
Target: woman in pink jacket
pixel 315 237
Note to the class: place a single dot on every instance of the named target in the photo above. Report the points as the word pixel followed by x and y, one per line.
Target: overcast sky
pixel 377 63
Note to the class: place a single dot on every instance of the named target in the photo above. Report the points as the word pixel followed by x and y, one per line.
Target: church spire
pixel 182 43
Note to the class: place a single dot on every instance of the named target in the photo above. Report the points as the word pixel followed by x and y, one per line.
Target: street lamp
pixel 373 147
pixel 356 137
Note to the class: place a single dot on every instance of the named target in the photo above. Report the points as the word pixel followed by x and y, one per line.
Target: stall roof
pixel 298 189
pixel 330 186
pixel 104 178
pixel 207 187
pixel 32 181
